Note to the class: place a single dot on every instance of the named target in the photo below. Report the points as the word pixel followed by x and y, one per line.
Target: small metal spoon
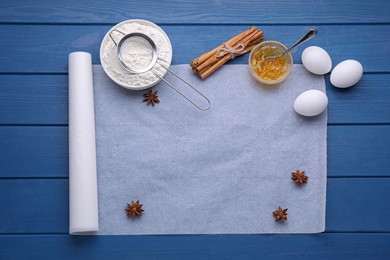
pixel 310 34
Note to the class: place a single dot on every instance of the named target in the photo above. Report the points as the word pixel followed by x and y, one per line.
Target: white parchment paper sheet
pixel 215 172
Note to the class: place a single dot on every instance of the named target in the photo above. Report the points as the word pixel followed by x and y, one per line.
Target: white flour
pixel 137 54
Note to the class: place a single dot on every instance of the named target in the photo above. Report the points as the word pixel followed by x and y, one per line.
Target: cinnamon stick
pixel 250 46
pixel 208 62
pixel 204 57
pixel 252 43
pixel 207 72
pixel 213 59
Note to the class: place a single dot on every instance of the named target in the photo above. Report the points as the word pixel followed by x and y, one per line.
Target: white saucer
pixel 136 85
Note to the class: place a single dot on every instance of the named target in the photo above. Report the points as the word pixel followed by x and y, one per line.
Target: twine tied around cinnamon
pixel 227 49
pixel 210 61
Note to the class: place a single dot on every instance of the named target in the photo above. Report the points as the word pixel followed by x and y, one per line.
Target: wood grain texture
pixel 34 152
pixel 323 246
pixel 37 36
pixel 40 206
pixel 35 49
pixel 357 205
pixel 196 11
pixel 366 102
pixel 39 152
pixel 358 151
pixel 33 99
pixel 43 99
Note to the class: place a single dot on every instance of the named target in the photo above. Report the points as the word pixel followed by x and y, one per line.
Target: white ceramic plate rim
pixel 106 39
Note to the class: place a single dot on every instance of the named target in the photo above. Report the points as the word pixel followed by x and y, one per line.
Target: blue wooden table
pixel 35 40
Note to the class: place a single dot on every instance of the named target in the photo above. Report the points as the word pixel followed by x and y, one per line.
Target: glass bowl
pixel 278 48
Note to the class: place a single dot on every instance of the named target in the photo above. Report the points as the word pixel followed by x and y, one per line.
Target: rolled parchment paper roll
pixel 83 201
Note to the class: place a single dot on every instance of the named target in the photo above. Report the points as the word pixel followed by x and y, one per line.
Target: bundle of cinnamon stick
pixel 240 44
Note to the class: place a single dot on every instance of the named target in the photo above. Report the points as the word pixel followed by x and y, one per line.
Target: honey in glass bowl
pixel 268 70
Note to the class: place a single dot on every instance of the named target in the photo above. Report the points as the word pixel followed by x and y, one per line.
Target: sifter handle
pixel 112 38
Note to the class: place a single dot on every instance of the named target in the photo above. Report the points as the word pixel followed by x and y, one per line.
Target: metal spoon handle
pixel 310 34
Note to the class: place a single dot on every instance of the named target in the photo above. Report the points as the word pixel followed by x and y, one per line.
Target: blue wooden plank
pixel 196 11
pixel 38 205
pixel 32 48
pixel 43 99
pixel 41 205
pixel 367 102
pixel 34 151
pixel 357 205
pixel 43 151
pixel 43 200
pixel 33 99
pixel 358 151
pixel 323 246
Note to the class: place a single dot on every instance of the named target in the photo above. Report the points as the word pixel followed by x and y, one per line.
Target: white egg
pixel 316 60
pixel 311 103
pixel 346 74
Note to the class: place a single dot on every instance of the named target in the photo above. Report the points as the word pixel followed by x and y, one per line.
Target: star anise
pixel 299 177
pixel 134 209
pixel 151 97
pixel 280 214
